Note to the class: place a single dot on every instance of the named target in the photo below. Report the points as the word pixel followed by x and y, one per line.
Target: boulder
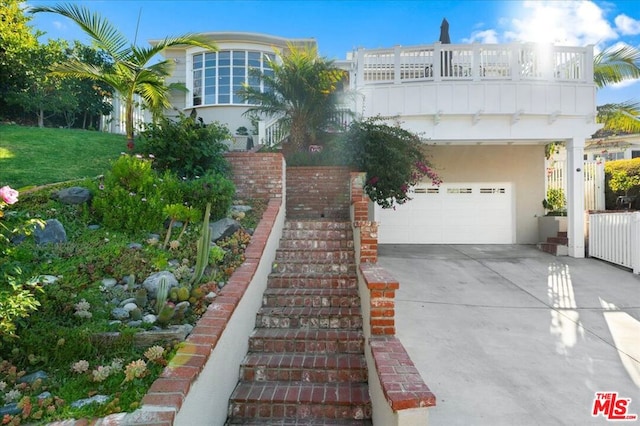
pixel 98 399
pixel 53 232
pixel 223 228
pixel 73 195
pixel 151 283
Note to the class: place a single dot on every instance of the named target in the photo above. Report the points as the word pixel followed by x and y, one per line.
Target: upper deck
pixel 538 84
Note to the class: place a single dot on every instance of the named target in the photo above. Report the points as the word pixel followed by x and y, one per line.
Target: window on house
pixel 218 76
pixel 635 154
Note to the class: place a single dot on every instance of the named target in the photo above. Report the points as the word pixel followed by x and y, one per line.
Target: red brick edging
pixel 401 382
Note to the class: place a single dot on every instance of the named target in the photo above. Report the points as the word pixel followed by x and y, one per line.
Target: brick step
pixel 309 317
pixel 558 240
pixel 279 340
pixel 305 267
pixel 300 422
pixel 300 400
pixel 288 280
pixel 316 244
pixel 320 297
pixel 317 368
pixel 563 234
pixel 317 234
pixel 316 224
pixel 554 249
pixel 316 255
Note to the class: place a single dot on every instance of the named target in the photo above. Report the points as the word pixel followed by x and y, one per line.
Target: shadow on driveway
pixel 508 335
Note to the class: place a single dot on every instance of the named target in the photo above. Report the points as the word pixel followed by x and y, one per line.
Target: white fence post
pixel 635 242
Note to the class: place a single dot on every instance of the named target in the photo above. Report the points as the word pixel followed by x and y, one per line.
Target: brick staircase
pixel 558 245
pixel 306 360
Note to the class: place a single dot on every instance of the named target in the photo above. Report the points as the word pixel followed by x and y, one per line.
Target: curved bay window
pixel 217 76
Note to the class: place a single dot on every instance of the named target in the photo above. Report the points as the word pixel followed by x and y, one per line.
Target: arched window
pixel 217 76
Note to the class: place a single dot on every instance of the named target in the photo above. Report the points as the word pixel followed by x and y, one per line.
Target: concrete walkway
pixel 508 335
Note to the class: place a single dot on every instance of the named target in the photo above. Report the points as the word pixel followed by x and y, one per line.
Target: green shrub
pixel 392 157
pixel 132 196
pixel 615 173
pixel 555 202
pixel 186 147
pixel 211 188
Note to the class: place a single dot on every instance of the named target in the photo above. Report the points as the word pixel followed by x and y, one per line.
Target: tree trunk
pixel 129 123
pixel 40 118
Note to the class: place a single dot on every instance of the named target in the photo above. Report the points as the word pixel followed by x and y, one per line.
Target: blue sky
pixel 341 26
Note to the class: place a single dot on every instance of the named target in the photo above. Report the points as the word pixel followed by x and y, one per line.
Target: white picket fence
pixel 615 237
pixel 593 182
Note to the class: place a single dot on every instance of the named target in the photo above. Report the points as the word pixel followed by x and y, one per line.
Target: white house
pixel 487 111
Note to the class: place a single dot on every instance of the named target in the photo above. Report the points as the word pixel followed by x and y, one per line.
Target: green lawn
pixel 33 156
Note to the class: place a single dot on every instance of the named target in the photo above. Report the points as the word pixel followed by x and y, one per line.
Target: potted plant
pixel 555 218
pixel 620 181
pixel 243 134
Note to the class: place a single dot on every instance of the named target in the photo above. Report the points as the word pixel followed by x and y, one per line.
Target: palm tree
pixel 301 90
pixel 130 72
pixel 614 65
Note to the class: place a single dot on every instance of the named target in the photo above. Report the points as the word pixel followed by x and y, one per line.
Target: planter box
pixel 550 226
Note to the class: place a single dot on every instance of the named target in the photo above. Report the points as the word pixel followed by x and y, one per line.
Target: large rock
pixel 223 228
pixel 73 195
pixel 151 283
pixel 53 232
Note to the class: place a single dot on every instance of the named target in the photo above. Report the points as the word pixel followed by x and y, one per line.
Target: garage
pixel 453 213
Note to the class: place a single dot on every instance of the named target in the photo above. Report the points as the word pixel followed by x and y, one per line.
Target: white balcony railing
pixel 442 62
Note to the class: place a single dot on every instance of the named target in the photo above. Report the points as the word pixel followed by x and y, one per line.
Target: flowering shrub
pixel 17 299
pixel 392 157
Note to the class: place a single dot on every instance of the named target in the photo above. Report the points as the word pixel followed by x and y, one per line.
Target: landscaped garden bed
pixel 100 308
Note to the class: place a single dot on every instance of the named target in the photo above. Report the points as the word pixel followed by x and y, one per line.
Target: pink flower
pixel 9 195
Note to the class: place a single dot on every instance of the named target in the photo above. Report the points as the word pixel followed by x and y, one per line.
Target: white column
pixel 575 196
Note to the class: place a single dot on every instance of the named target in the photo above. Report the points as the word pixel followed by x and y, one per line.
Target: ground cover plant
pixel 71 289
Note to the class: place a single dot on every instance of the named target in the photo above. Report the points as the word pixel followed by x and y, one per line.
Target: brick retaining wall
pixel 318 193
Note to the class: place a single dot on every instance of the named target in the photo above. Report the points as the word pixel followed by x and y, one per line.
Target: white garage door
pixel 454 213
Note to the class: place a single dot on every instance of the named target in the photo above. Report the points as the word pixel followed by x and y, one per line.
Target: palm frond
pixel 621 117
pixel 614 65
pixel 105 36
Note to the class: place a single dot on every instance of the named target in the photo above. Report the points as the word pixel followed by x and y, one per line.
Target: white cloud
pixel 573 23
pixel 59 25
pixel 627 25
pixel 486 36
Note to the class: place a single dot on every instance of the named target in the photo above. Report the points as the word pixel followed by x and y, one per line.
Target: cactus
pixel 204 242
pixel 173 295
pixel 136 314
pixel 166 313
pixel 141 297
pixel 161 295
pixel 183 294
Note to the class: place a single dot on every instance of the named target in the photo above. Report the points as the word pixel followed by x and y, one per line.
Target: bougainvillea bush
pixel 393 158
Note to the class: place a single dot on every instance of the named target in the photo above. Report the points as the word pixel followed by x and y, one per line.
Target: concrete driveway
pixel 508 335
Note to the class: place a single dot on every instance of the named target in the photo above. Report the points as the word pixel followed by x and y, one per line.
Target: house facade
pixel 486 111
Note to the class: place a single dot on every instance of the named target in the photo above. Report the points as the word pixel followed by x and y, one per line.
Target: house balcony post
pixel 575 196
pixel 360 67
pixel 397 64
pixel 437 61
